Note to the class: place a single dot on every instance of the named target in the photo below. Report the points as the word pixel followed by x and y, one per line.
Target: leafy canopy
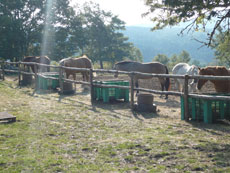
pixel 221 45
pixel 197 13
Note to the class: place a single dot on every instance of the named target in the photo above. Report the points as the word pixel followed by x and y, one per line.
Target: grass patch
pixel 68 134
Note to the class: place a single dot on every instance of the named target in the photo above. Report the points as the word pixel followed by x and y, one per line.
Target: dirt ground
pixel 168 108
pixel 106 136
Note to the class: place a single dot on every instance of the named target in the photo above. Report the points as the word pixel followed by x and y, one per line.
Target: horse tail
pixel 167 83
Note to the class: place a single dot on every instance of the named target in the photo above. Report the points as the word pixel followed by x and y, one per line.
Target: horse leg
pixel 83 76
pixel 180 84
pixel 87 77
pixel 162 86
pixel 162 89
pixel 176 84
pixel 137 86
pixel 74 77
pixel 67 75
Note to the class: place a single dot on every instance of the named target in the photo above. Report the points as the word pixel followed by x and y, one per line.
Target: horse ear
pixel 199 68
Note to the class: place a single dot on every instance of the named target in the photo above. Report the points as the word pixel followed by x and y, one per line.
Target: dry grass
pixel 67 134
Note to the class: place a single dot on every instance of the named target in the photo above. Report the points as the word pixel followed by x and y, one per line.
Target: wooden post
pixel 19 74
pixel 186 102
pixel 132 91
pixel 61 79
pixel 3 71
pixel 36 77
pixel 91 85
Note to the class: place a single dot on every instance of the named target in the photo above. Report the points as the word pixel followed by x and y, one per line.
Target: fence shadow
pixel 217 128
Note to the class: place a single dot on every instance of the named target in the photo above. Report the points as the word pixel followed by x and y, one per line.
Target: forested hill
pixel 168 42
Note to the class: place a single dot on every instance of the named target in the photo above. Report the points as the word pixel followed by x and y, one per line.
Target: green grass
pixel 68 134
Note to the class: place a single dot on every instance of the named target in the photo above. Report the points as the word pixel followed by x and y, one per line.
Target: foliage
pixel 175 59
pixel 21 24
pixel 56 29
pixel 197 13
pixel 105 41
pixel 24 22
pixel 221 45
pixel 161 58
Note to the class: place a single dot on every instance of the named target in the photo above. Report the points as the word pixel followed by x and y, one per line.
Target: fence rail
pixel 132 88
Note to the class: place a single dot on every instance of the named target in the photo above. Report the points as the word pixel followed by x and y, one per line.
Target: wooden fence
pixel 132 88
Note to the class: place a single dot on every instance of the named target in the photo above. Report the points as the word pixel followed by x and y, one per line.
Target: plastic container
pixel 107 94
pixel 206 110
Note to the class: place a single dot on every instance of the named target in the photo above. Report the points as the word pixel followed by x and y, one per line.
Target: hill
pixel 168 42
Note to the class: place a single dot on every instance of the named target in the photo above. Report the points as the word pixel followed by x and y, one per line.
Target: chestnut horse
pixel 81 62
pixel 152 67
pixel 40 60
pixel 221 86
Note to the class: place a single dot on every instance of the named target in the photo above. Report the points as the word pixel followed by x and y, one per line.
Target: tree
pixel 184 57
pixel 105 41
pixel 135 54
pixel 175 59
pixel 20 27
pixel 196 13
pixel 196 63
pixel 24 28
pixel 221 45
pixel 161 58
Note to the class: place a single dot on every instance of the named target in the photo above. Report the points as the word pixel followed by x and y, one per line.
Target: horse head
pixel 194 70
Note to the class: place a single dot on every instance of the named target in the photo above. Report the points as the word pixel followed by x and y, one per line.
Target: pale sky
pixel 127 10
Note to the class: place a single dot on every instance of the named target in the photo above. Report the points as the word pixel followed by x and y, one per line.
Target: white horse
pixel 182 69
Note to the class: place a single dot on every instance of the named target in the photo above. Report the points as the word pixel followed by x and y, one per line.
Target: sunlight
pixel 47 31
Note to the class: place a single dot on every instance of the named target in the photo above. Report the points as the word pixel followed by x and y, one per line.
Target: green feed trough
pixel 44 83
pixel 207 111
pixel 107 94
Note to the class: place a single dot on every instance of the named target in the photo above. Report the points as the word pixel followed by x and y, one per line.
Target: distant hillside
pixel 168 42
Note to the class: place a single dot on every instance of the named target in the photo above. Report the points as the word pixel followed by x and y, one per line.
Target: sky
pixel 129 11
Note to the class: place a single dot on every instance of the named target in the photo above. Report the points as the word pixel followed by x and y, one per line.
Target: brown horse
pixel 153 67
pixel 81 62
pixel 221 86
pixel 37 59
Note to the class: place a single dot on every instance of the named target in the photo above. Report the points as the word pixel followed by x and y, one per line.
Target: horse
pixel 184 68
pixel 37 59
pixel 152 67
pixel 80 62
pixel 221 86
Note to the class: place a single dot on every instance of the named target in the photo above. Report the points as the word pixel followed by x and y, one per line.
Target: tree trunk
pixel 101 64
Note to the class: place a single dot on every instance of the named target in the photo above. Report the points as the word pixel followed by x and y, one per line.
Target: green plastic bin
pixel 44 83
pixel 107 94
pixel 206 110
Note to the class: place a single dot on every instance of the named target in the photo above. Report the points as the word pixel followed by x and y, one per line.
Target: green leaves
pixel 221 44
pixel 169 13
